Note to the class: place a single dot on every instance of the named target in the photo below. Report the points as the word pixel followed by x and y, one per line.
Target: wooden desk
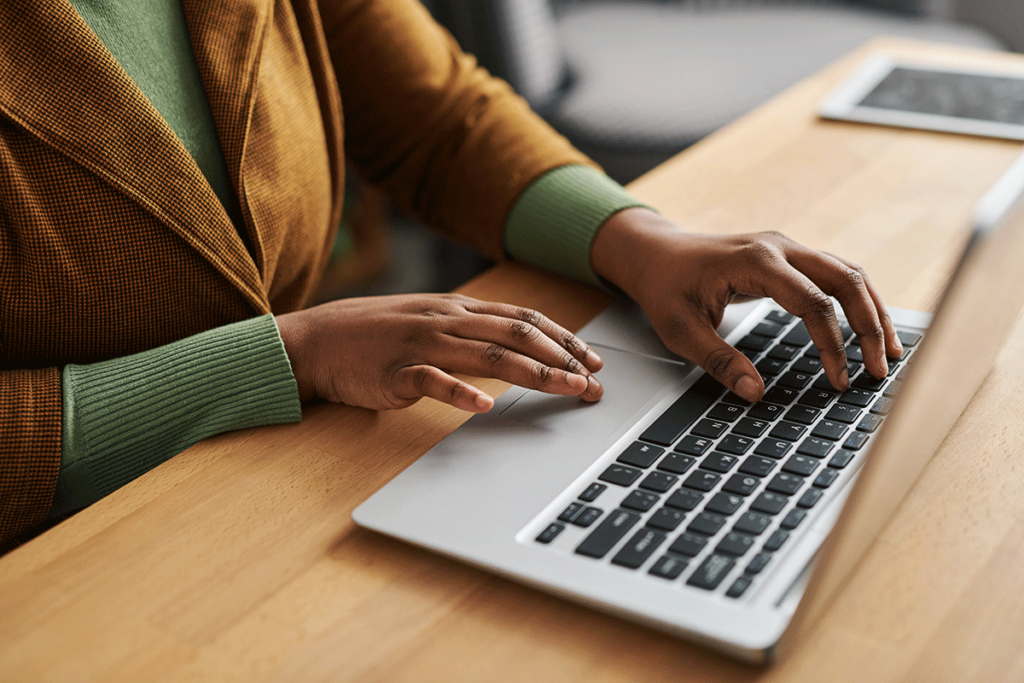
pixel 238 559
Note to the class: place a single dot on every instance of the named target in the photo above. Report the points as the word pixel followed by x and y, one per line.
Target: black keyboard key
pixel 827 476
pixel 592 492
pixel 659 481
pixel 750 427
pixel 640 455
pixel 854 353
pixel 709 428
pixel 725 412
pixel 693 445
pixel 841 459
pixel 818 397
pixel 637 549
pixel 711 571
pixel 770 503
pixel 769 412
pixel 870 423
pixel 815 447
pixel 754 342
pixel 784 352
pixel 803 465
pixel 759 562
pixel 588 516
pixel 676 463
pixel 735 400
pixel 857 397
pixel 803 415
pixel 685 499
pixel 882 406
pixel 789 431
pixel 752 523
pixel 735 544
pixel 773 448
pixel 810 498
pixel 787 484
pixel 768 329
pixel 640 500
pixel 724 503
pixel 569 513
pixel 793 518
pixel 550 533
pixel 845 414
pixel 702 480
pixel 781 317
pixel 667 519
pixel 868 382
pixel 782 396
pixel 808 365
pixel 684 412
pixel 798 336
pixel 668 567
pixel 735 444
pixel 706 523
pixel 776 540
pixel 855 441
pixel 621 475
pixel 738 587
pixel 795 380
pixel 908 338
pixel 770 366
pixel 689 544
pixel 609 532
pixel 827 429
pixel 741 484
pixel 757 465
pixel 719 462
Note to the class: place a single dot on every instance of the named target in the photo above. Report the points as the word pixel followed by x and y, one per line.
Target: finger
pixel 893 346
pixel 847 284
pixel 521 337
pixel 796 293
pixel 484 359
pixel 727 365
pixel 416 381
pixel 561 336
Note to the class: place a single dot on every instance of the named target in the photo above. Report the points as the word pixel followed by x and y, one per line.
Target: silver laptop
pixel 678 505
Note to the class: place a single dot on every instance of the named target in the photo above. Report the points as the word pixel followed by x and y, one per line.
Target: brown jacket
pixel 111 240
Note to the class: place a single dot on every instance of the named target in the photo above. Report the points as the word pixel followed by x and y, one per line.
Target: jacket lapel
pixel 59 82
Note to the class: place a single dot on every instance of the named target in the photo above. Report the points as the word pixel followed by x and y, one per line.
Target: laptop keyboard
pixel 716 483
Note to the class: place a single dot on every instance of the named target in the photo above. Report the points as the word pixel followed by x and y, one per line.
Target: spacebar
pixel 684 412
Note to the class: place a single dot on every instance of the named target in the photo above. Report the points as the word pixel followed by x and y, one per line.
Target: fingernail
pixel 593 386
pixel 746 387
pixel 593 358
pixel 483 402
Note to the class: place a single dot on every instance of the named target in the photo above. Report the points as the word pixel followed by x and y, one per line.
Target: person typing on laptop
pixel 164 226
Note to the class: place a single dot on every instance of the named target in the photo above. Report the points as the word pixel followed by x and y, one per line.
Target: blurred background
pixel 633 82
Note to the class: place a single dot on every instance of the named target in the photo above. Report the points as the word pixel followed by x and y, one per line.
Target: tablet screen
pixel 998 99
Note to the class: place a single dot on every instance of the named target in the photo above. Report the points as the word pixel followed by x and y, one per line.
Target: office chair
pixel 632 83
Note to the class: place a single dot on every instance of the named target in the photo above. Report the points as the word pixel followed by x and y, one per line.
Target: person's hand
pixel 388 352
pixel 683 281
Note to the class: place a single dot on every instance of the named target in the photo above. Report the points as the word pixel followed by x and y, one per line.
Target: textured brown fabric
pixel 112 242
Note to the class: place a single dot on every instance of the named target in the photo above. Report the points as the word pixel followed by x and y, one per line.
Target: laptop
pixel 676 504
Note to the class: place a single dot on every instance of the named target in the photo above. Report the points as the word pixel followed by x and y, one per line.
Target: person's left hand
pixel 683 281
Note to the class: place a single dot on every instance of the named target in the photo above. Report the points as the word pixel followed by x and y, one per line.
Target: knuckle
pixel 853 278
pixel 819 304
pixel 529 316
pixel 521 330
pixel 572 344
pixel 719 362
pixel 544 373
pixel 572 365
pixel 760 252
pixel 495 354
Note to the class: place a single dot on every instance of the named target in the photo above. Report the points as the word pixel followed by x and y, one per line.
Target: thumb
pixel 724 363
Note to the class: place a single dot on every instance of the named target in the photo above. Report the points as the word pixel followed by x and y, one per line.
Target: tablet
pixel 950 99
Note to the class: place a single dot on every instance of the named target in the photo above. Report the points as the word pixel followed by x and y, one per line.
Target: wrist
pixel 621 252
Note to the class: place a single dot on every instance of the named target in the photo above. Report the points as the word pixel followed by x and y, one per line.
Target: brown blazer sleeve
pixel 30 428
pixel 443 138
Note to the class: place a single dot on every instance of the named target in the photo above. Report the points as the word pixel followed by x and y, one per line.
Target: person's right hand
pixel 388 352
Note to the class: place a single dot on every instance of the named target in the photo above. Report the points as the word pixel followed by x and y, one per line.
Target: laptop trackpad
pixel 631 383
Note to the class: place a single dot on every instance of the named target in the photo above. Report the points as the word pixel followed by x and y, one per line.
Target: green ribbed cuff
pixel 125 416
pixel 553 223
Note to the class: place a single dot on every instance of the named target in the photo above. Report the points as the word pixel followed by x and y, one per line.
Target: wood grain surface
pixel 238 559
